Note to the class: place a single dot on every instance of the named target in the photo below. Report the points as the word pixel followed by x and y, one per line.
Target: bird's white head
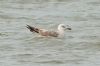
pixel 63 27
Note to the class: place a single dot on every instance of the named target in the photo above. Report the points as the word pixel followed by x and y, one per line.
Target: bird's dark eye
pixel 63 26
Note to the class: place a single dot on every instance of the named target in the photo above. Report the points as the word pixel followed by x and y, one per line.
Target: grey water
pixel 20 47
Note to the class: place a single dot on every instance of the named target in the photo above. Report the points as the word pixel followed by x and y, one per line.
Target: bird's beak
pixel 68 28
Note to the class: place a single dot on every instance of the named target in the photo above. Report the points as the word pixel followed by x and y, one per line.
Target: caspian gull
pixel 44 32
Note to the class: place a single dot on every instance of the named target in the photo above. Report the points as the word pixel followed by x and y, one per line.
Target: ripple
pixel 51 62
pixel 6 48
pixel 3 34
pixel 94 3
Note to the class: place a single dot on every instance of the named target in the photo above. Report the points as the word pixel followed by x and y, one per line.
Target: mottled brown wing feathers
pixel 54 34
pixel 48 33
pixel 42 32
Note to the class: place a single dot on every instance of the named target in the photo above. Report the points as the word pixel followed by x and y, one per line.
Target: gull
pixel 44 32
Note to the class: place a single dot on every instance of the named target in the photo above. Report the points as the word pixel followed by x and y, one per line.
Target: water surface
pixel 19 47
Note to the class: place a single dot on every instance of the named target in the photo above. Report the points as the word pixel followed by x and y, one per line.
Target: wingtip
pixel 28 26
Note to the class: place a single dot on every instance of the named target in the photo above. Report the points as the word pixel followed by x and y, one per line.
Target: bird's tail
pixel 33 29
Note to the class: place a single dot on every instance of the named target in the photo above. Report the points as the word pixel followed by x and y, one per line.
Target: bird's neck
pixel 61 32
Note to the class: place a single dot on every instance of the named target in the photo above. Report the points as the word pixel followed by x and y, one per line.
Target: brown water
pixel 19 47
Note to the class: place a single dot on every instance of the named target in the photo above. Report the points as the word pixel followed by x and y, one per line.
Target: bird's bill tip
pixel 69 29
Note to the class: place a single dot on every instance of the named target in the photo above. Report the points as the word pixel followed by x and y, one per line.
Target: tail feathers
pixel 33 29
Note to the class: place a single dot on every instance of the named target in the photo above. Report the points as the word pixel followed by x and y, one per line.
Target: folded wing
pixel 43 32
